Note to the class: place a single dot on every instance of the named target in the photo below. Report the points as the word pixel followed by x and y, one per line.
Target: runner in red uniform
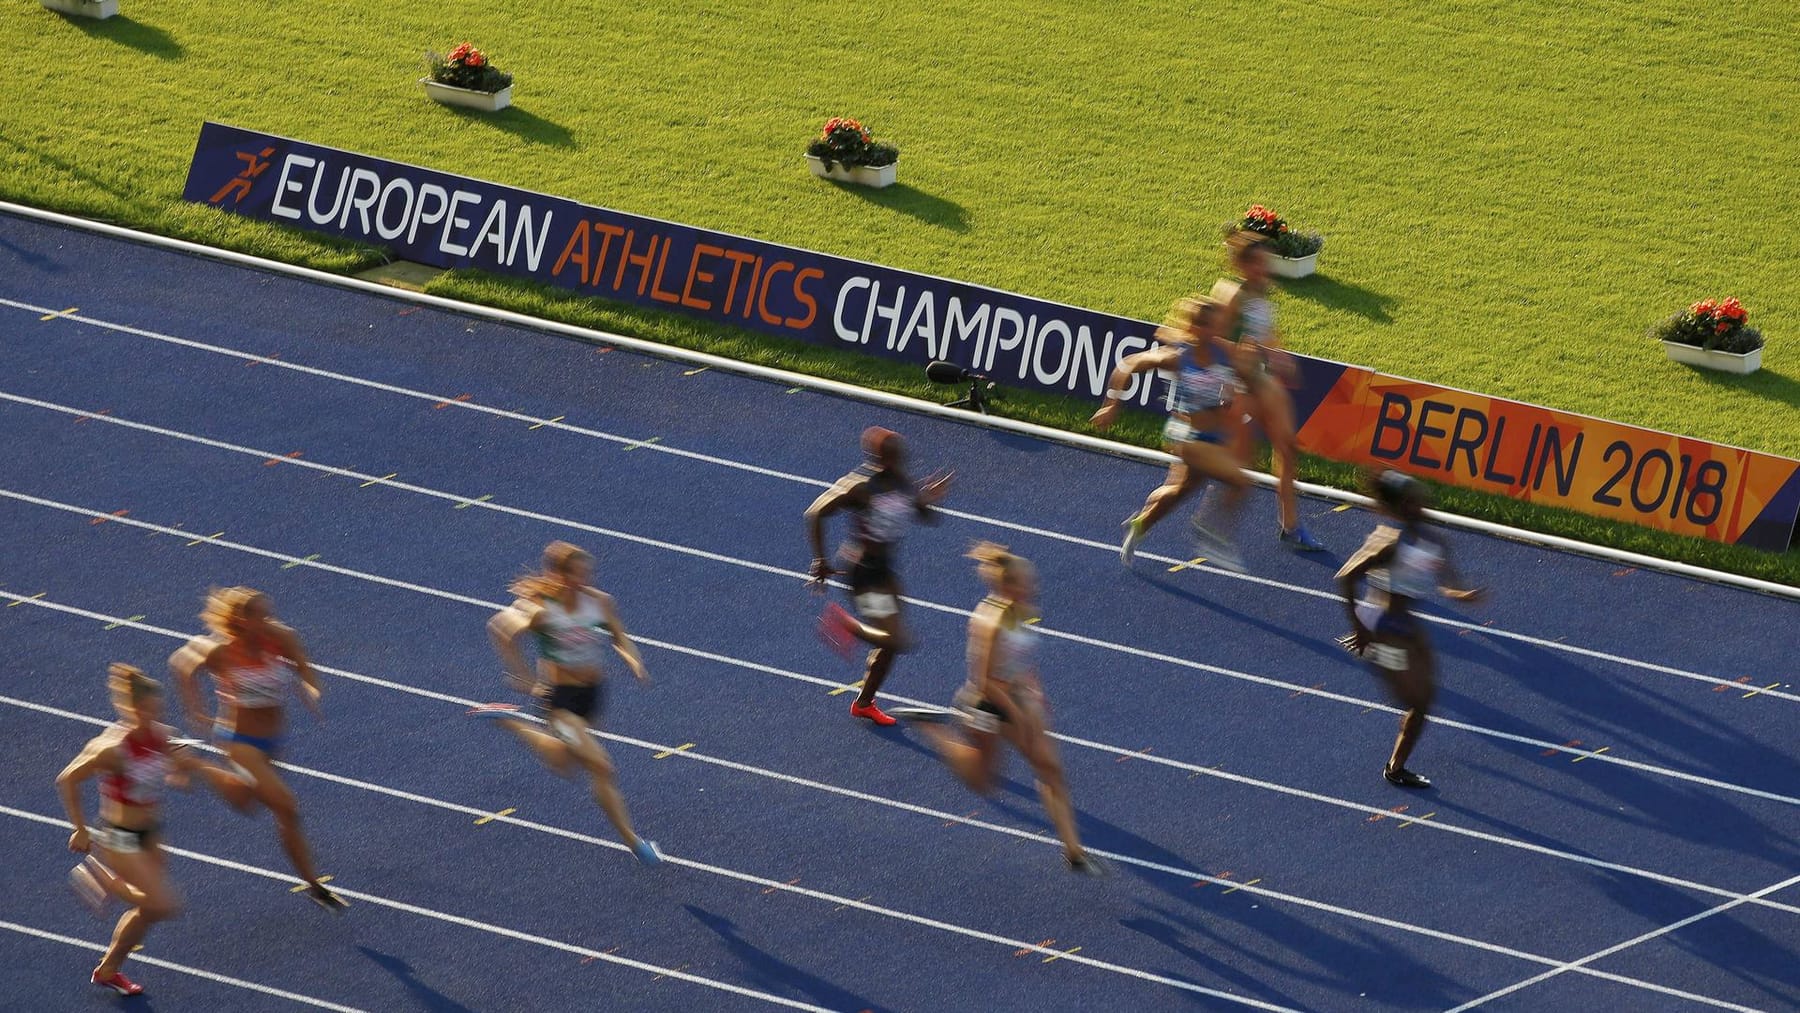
pixel 134 758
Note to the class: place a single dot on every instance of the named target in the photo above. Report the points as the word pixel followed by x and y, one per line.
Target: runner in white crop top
pixel 1004 700
pixel 1402 567
pixel 1200 432
pixel 255 662
pixel 573 624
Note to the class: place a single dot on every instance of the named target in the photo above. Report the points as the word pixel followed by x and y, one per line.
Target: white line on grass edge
pixel 883 398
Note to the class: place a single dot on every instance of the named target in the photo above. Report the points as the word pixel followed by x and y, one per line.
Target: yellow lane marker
pixel 1341 507
pixel 378 481
pixel 1059 956
pixel 547 422
pixel 299 562
pixel 1034 620
pixel 845 689
pixel 307 886
pixel 1178 567
pixel 114 626
pixel 645 443
pixel 64 313
pixel 35 597
pixel 466 504
pixel 1753 692
pixel 485 820
pixel 1407 823
pixel 207 538
pixel 665 754
pixel 1247 882
pixel 1033 949
pixel 1585 756
pixel 795 390
pixel 691 372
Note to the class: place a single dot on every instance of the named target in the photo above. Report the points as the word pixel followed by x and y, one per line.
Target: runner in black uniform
pixel 882 500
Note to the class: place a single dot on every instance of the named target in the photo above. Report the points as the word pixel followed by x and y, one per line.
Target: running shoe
pixel 1216 549
pixel 838 629
pixel 872 712
pixel 1301 540
pixel 86 885
pixel 647 852
pixel 1088 864
pixel 118 983
pixel 1403 778
pixel 318 894
pixel 1134 533
pixel 495 711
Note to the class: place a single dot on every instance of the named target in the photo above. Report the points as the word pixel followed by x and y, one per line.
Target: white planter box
pixel 1706 358
pixel 99 9
pixel 862 174
pixel 469 98
pixel 1293 267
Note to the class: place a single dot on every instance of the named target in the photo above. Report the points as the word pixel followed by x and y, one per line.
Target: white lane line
pixel 733 874
pixel 1579 965
pixel 487 503
pixel 1108 547
pixel 468 923
pixel 1193 769
pixel 842 902
pixel 312 561
pixel 170 965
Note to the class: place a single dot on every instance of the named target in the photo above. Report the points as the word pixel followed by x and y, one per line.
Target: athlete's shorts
pixel 582 701
pixel 122 840
pixel 1387 627
pixel 871 588
pixel 269 746
pixel 1177 431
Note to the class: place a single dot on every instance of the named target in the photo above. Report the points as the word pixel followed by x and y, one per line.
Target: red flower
pixel 1703 308
pixel 475 58
pixel 1722 327
pixel 1731 309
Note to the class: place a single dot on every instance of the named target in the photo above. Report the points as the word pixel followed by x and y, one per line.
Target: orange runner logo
pixel 254 166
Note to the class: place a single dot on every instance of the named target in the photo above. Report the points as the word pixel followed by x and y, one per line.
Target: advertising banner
pixel 1341 412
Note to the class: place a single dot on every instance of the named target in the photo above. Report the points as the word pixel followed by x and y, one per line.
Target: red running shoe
pixel 838 629
pixel 118 983
pixel 872 712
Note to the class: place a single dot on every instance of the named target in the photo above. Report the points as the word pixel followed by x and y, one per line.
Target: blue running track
pixel 1615 823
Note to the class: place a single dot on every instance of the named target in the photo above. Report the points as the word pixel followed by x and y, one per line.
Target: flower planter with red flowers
pixel 1291 254
pixel 1712 334
pixel 845 151
pixel 97 9
pixel 466 78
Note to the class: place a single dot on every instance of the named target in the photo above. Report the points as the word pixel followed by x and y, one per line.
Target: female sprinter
pixel 253 660
pixel 572 622
pixel 1003 698
pixel 1271 371
pixel 1199 429
pixel 134 758
pixel 1413 563
pixel 881 500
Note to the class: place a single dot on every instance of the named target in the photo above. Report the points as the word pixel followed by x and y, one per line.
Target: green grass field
pixel 1511 194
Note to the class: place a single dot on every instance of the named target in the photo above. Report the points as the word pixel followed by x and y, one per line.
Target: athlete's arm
pixel 1156 358
pixel 185 665
pixel 504 630
pixel 100 754
pixel 1376 550
pixel 621 642
pixel 1453 586
pixel 845 492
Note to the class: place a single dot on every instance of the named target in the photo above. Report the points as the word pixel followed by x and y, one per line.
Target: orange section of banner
pixel 1640 476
